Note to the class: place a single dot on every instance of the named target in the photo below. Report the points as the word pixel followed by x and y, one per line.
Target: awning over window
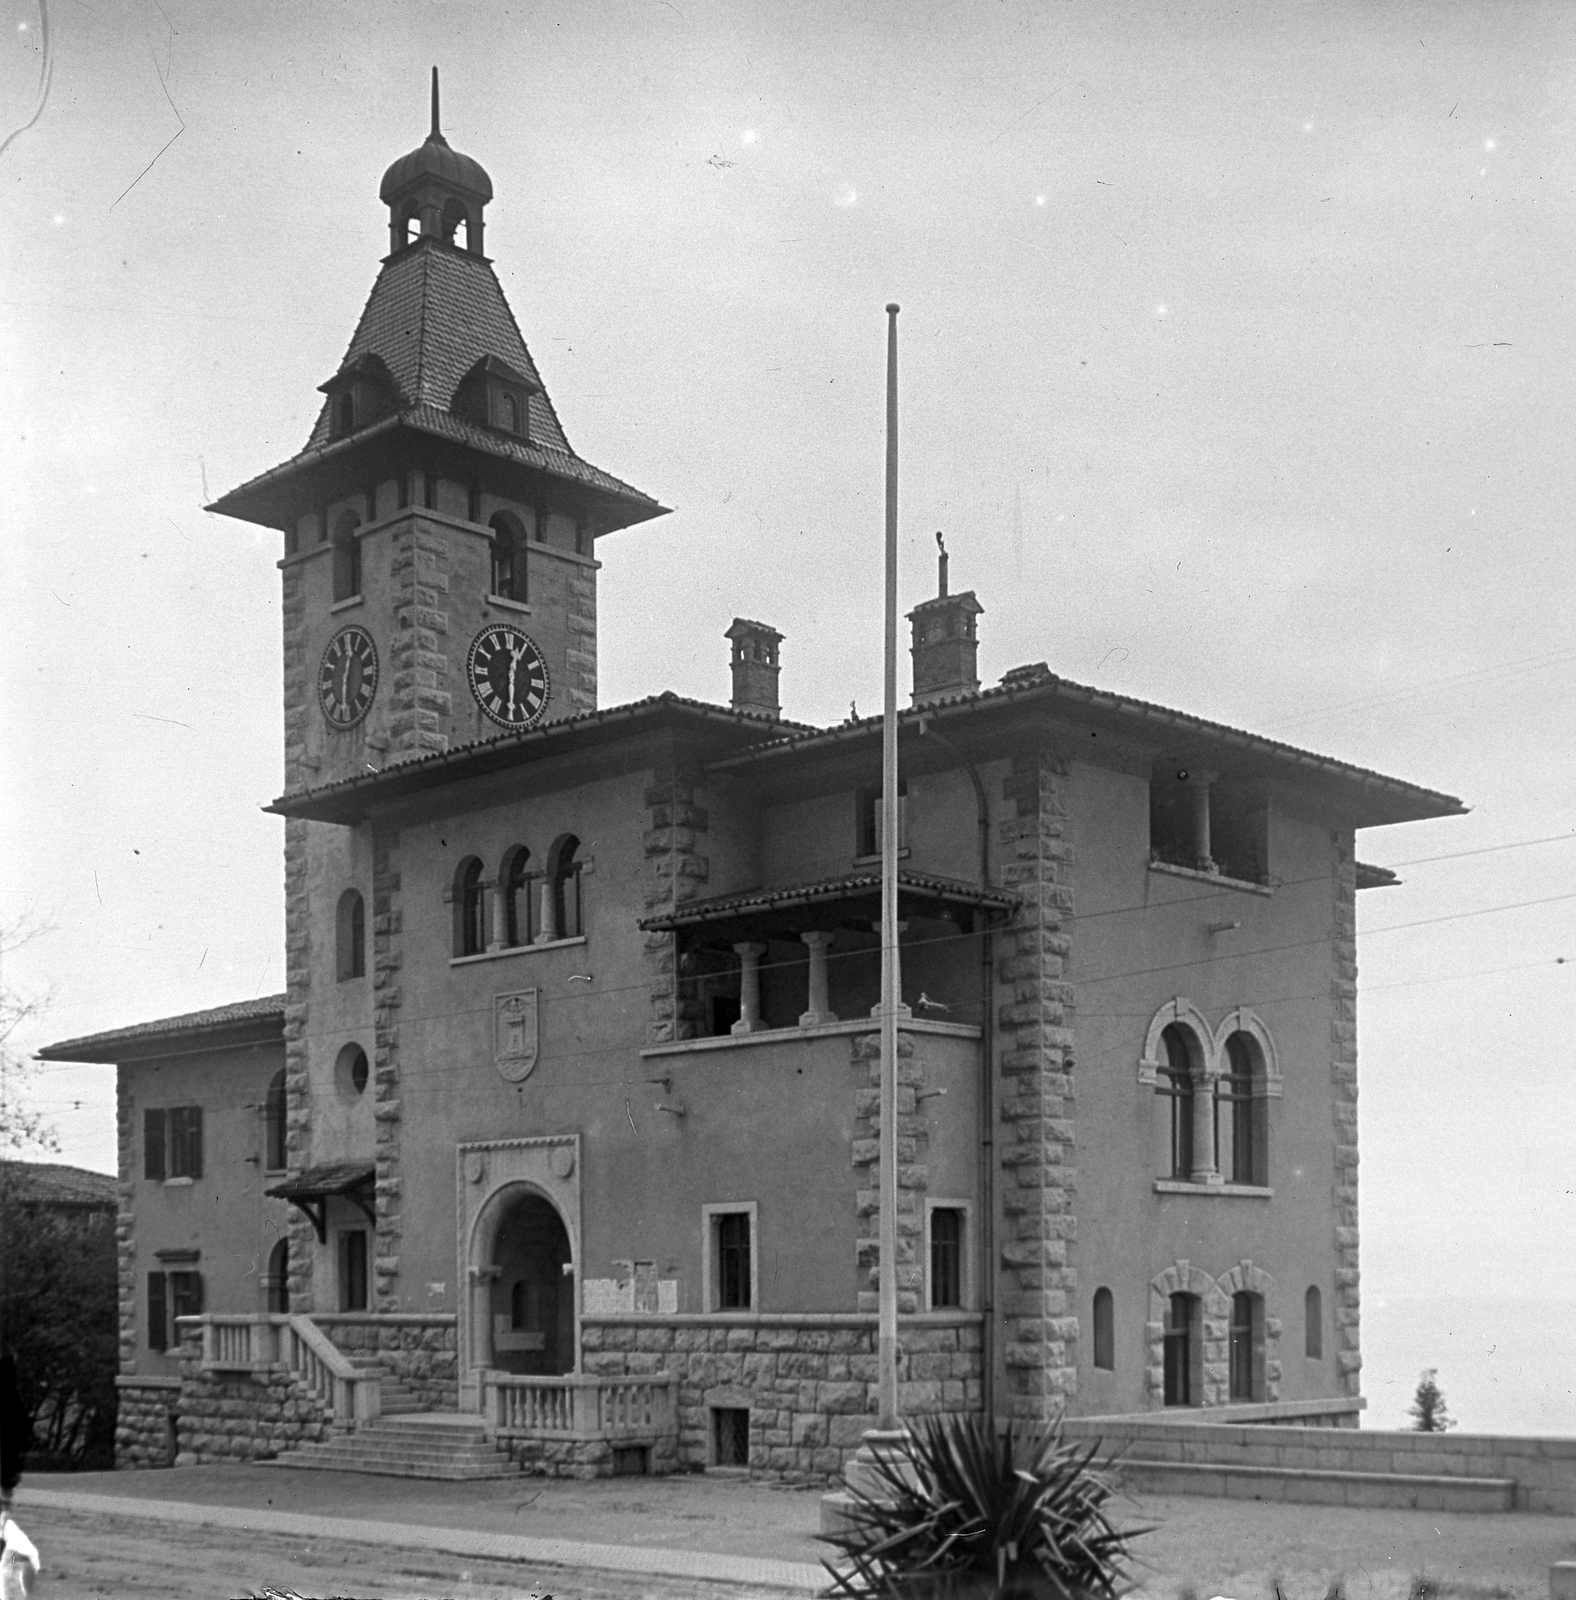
pixel 314 1188
pixel 854 899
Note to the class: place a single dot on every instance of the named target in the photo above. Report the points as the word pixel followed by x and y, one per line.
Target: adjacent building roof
pixel 49 1183
pixel 244 1022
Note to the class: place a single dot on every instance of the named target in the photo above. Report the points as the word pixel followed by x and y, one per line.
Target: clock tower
pixel 439 565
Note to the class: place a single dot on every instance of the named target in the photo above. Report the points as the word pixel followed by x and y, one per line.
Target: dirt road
pixel 123 1558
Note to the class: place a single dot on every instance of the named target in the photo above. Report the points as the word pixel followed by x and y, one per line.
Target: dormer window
pixel 362 391
pixel 495 395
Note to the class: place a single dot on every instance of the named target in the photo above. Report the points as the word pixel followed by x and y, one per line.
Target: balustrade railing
pixel 265 1342
pixel 585 1406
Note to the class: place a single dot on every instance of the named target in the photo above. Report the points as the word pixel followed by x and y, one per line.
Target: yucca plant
pixel 963 1512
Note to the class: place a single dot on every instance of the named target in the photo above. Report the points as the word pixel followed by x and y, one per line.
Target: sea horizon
pixel 1506 1364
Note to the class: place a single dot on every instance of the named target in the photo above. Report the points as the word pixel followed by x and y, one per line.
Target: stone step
pixel 1318 1486
pixel 448 1472
pixel 464 1458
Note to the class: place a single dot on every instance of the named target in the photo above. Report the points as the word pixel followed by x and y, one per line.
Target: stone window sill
pixel 1211 877
pixel 179 1183
pixel 515 950
pixel 349 603
pixel 499 603
pixel 1242 1191
pixel 875 860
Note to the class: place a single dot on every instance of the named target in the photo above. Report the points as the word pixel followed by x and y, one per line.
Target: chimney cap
pixel 741 627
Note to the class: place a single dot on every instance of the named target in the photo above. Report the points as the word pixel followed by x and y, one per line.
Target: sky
pixel 1235 356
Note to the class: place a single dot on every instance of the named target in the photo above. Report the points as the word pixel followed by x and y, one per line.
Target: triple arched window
pixel 526 904
pixel 1212 1091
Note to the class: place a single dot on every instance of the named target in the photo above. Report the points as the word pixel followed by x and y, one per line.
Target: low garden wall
pixel 807 1381
pixel 1544 1469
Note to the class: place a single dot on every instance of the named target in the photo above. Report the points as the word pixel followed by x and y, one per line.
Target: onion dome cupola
pixel 435 192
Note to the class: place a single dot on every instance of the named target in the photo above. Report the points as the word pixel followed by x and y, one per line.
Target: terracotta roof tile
pixel 51 1183
pixel 101 1046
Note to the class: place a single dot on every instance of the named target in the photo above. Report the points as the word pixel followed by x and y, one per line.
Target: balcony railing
pixel 620 1409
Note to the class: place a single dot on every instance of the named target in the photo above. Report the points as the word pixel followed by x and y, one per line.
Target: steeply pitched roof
pixel 50 1183
pixel 434 313
pixel 244 1017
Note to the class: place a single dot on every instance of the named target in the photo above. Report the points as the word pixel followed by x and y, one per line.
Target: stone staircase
pixel 395 1396
pixel 413 1444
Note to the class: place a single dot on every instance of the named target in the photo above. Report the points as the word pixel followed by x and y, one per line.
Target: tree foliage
pixel 59 1317
pixel 1428 1405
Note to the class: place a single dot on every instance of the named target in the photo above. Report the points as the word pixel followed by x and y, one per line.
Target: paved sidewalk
pixel 795 1577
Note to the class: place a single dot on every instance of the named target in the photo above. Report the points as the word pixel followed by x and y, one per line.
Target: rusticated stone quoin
pixel 388 1111
pixel 421 699
pixel 1035 1143
pixel 913 1173
pixel 1343 1070
pixel 676 870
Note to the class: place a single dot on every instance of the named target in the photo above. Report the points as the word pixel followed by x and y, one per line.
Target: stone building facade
pixel 567 1118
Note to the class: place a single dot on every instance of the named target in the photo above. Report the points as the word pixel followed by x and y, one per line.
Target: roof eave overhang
pixel 274 499
pixel 348 802
pixel 118 1049
pixel 1374 798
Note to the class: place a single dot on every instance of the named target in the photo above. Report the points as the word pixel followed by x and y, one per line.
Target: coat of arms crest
pixel 515 1034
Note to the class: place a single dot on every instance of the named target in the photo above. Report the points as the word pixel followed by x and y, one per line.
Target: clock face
pixel 348 677
pixel 508 676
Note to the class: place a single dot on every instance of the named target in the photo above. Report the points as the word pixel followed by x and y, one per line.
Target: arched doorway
pixel 532 1300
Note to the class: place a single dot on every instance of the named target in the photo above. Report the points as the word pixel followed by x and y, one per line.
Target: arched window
pixel 511 412
pixel 274 1123
pixel 508 558
pixel 350 936
pixel 344 414
pixel 347 557
pixel 456 225
pixel 1104 1331
pixel 278 1279
pixel 562 915
pixel 1175 1083
pixel 410 224
pixel 1313 1324
pixel 1182 1348
pixel 1247 1340
pixel 517 884
pixel 470 909
pixel 1240 1091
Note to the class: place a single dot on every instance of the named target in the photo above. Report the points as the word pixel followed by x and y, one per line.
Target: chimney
pixel 945 642
pixel 755 667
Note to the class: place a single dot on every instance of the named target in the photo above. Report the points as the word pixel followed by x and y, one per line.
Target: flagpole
pixel 891 985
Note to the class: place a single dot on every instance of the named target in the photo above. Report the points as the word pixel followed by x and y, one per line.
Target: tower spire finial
pixel 437 132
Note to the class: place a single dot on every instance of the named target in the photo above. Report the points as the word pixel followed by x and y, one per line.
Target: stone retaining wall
pixel 421 1351
pixel 230 1416
pixel 1544 1469
pixel 809 1383
pixel 585 1458
pixel 145 1419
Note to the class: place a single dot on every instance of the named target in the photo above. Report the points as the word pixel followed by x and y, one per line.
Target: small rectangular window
pixel 871 829
pixel 185 1294
pixel 946 1257
pixel 733 1262
pixel 158 1313
pixel 153 1147
pixel 185 1141
pixel 353 1270
pixel 730 1436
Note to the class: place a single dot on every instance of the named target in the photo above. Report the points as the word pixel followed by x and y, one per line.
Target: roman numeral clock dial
pixel 508 676
pixel 348 677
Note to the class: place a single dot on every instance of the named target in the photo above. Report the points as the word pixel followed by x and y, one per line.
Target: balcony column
pixel 819 1007
pixel 500 916
pixel 1198 785
pixel 749 987
pixel 1204 1085
pixel 547 923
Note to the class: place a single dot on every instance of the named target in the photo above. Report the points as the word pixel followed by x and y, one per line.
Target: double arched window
pixel 347 557
pixel 1212 1088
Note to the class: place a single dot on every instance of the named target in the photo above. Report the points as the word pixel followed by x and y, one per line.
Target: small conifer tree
pixel 1428 1405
